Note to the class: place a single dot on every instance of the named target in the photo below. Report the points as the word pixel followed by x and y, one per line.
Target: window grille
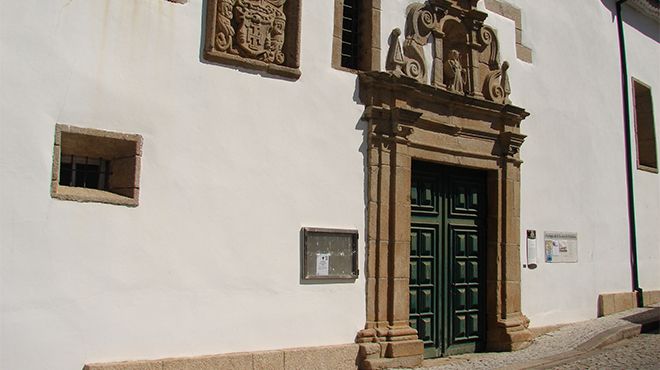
pixel 349 34
pixel 84 172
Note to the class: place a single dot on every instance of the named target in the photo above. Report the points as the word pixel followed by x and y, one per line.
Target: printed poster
pixel 560 247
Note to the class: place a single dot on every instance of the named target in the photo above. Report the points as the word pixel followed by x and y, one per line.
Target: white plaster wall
pixel 573 176
pixel 643 34
pixel 234 165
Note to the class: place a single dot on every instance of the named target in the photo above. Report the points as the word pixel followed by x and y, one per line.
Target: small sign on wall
pixel 560 247
pixel 531 249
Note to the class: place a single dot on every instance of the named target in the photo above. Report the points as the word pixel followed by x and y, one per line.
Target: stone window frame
pixel 369 36
pixel 513 13
pixel 646 144
pixel 290 69
pixel 124 151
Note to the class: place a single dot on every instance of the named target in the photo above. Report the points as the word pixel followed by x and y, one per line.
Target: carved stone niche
pixel 465 52
pixel 255 34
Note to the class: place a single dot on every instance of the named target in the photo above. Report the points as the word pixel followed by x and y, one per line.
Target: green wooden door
pixel 447 251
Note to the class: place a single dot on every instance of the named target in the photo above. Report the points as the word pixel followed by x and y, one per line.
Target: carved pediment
pixel 465 51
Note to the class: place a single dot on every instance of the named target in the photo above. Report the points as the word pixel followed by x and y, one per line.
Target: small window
pixel 349 34
pixel 647 158
pixel 96 166
pixel 356 38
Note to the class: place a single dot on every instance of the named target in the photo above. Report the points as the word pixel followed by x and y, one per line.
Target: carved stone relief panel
pixel 465 51
pixel 256 34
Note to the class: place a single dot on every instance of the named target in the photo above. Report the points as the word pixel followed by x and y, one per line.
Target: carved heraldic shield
pixel 252 28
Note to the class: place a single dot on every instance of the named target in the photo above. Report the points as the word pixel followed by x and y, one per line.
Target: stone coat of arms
pixel 252 29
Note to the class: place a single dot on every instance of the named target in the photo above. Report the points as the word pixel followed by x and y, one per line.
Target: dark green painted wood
pixel 447 252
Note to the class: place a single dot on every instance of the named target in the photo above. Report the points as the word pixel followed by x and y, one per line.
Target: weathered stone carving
pixel 254 33
pixel 258 29
pixel 454 72
pixel 224 31
pixel 496 87
pixel 465 51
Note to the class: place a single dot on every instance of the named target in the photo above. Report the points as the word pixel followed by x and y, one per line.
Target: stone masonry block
pixel 524 53
pixel 341 357
pixel 228 361
pixel 651 297
pixel 269 360
pixel 129 365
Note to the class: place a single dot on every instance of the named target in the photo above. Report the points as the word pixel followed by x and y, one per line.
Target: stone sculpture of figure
pixel 277 38
pixel 454 72
pixel 504 83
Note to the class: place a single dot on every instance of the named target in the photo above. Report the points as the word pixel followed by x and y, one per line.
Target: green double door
pixel 447 253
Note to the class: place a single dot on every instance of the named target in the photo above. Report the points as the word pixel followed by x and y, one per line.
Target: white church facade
pixel 280 184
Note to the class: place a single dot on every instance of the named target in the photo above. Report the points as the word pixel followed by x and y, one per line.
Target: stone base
pixel 404 348
pixel 510 334
pixel 388 354
pixel 651 297
pixel 609 303
pixel 343 357
pixel 386 363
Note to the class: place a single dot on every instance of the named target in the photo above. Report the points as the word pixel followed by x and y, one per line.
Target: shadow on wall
pixel 633 18
pixel 362 126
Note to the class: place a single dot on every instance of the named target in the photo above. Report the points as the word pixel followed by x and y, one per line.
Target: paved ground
pixel 641 352
pixel 565 341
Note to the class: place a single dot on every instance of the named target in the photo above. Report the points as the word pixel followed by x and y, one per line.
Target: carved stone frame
pixel 291 49
pixel 408 120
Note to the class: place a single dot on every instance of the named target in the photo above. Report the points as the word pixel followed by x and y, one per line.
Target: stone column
pixel 474 80
pixel 388 340
pixel 508 331
pixel 437 76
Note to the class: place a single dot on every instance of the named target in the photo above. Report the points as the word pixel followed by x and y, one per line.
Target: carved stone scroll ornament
pixel 496 83
pixel 496 86
pixel 252 29
pixel 411 61
pixel 471 49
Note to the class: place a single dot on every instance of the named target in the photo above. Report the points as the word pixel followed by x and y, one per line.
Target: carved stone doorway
pixel 454 111
pixel 411 121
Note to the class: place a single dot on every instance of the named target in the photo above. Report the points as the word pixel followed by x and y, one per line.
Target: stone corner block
pixel 524 53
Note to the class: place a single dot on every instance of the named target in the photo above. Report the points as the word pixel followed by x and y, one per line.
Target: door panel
pixel 447 258
pixel 423 274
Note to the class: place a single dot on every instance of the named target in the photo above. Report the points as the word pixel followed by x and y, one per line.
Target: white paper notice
pixel 531 253
pixel 322 264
